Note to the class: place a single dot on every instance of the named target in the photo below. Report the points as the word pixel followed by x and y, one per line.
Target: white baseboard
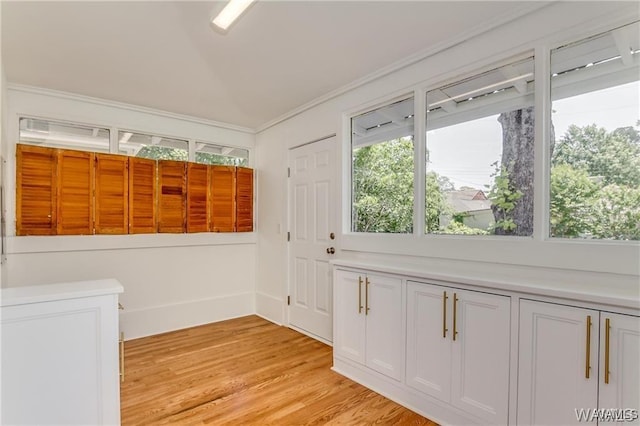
pixel 161 319
pixel 270 308
pixel 422 404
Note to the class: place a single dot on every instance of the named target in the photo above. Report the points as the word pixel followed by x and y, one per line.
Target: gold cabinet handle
pixel 444 315
pixel 588 357
pixel 455 308
pixel 366 296
pixel 359 295
pixel 121 356
pixel 607 341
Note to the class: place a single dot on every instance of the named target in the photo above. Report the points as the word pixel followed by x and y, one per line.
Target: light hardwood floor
pixel 245 371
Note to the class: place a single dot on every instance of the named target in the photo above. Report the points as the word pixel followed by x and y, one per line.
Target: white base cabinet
pixel 577 363
pixel 464 353
pixel 458 348
pixel 60 354
pixel 369 313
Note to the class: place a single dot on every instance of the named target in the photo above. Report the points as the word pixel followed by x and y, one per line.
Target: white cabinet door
pixel 620 388
pixel 383 311
pixel 480 355
pixel 428 340
pixel 349 332
pixel 558 350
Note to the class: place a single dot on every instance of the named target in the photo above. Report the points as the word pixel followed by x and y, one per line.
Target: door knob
pixel 331 250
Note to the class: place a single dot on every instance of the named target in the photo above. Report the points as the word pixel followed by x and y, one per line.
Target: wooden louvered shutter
pixel 223 194
pixel 171 200
pixel 244 200
pixel 142 196
pixel 75 192
pixel 197 197
pixel 112 194
pixel 35 190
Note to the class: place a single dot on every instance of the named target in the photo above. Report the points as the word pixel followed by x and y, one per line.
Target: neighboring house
pixel 472 206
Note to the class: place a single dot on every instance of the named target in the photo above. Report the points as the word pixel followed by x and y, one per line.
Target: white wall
pixel 570 264
pixel 3 131
pixel 171 281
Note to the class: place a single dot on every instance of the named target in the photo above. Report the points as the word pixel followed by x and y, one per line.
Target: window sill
pixel 64 243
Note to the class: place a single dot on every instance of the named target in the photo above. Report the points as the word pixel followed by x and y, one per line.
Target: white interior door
pixel 312 219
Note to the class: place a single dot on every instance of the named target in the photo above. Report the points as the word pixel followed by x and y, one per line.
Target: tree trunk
pixel 517 159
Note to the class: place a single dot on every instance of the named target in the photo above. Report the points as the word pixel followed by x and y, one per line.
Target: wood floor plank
pixel 245 371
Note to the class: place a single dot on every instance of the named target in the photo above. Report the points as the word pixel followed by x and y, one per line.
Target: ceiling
pixel 278 56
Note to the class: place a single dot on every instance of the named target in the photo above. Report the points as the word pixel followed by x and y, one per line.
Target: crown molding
pixel 121 105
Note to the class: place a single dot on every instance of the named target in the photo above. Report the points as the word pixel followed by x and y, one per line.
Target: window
pixel 383 169
pixel 221 155
pixel 153 147
pixel 595 139
pixel 479 153
pixel 53 134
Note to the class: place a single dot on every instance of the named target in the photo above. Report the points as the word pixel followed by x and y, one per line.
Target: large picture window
pixel 479 153
pixel 595 139
pixel 382 149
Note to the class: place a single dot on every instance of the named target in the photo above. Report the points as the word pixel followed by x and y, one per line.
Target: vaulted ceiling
pixel 278 56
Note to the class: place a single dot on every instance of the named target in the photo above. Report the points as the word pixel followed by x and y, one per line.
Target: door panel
pixel 312 216
pixel 428 345
pixel 383 311
pixel 349 340
pixel 480 355
pixel 552 380
pixel 623 387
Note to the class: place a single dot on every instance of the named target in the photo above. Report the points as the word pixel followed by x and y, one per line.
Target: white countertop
pixel 13 296
pixel 625 297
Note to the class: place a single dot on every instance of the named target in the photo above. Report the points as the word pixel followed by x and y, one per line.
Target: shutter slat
pixel 75 192
pixel 172 180
pixel 35 190
pixel 112 194
pixel 244 203
pixel 197 197
pixel 223 185
pixel 142 196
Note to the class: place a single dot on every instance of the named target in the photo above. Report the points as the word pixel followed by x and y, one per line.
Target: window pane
pixel 480 138
pixel 154 147
pixel 34 131
pixel 595 149
pixel 383 169
pixel 222 155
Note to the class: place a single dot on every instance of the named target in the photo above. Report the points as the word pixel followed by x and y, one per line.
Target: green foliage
pixel 457 228
pixel 223 160
pixel 616 213
pixel 437 204
pixel 572 198
pixel 612 156
pixel 383 187
pixel 156 152
pixel 503 198
pixel 595 184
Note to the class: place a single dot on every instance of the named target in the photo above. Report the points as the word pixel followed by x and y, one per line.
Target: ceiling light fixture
pixel 230 13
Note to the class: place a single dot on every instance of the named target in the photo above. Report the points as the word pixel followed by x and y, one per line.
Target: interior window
pixel 595 139
pixel 53 134
pixel 153 147
pixel 480 152
pixel 383 169
pixel 223 155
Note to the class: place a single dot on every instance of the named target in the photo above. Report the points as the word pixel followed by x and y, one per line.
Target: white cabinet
pixel 60 354
pixel 458 348
pixel 572 359
pixel 368 321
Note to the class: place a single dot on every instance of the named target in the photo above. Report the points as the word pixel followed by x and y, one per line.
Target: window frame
pixel 537 250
